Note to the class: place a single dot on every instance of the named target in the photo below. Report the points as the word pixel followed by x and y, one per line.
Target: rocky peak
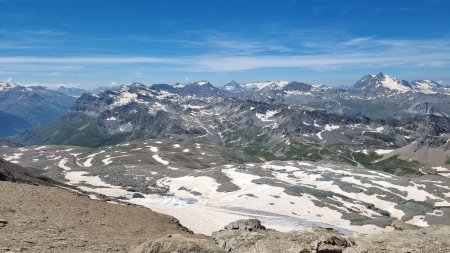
pixel 202 83
pixel 234 87
pixel 298 86
pixel 7 86
pixel 381 84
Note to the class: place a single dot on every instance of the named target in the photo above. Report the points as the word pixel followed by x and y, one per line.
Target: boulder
pixel 3 223
pixel 137 195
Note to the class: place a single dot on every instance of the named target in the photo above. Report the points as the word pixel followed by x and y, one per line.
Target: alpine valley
pixel 291 154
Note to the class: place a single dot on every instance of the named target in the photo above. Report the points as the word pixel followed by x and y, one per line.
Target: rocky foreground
pixel 249 236
pixel 51 219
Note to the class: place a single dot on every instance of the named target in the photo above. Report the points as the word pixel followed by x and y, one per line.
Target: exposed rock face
pixel 15 173
pixel 177 243
pixel 239 232
pixel 251 237
pixel 425 108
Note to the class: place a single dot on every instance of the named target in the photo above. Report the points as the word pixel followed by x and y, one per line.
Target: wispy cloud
pixel 85 60
pixel 44 32
pixel 215 52
pixel 418 57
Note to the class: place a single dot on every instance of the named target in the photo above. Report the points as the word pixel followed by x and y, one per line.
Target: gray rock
pixel 400 225
pixel 250 236
pixel 237 237
pixel 179 244
pixel 237 232
pixel 3 223
pixel 137 195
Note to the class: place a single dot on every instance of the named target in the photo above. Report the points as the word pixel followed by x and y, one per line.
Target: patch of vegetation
pixel 365 159
pixel 301 152
pixel 397 166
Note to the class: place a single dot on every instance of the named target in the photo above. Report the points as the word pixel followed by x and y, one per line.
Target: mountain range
pixel 24 107
pixel 375 96
pixel 270 120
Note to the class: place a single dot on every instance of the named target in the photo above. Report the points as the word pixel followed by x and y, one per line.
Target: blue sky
pixel 92 43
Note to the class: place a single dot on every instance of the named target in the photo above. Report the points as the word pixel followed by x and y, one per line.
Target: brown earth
pixel 51 219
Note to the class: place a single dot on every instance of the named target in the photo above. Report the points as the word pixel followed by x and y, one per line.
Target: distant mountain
pixel 11 125
pixel 136 111
pixel 427 87
pixel 234 88
pixel 77 92
pixel 7 86
pixel 257 86
pixel 198 88
pixel 132 111
pixel 71 91
pixel 384 85
pixel 381 85
pixel 101 89
pixel 24 107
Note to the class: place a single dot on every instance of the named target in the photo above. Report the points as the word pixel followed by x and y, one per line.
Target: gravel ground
pixel 51 219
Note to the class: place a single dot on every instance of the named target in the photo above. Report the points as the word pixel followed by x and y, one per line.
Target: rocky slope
pixel 51 219
pixel 14 173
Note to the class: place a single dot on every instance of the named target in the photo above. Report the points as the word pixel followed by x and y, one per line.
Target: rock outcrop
pixel 251 237
pixel 179 244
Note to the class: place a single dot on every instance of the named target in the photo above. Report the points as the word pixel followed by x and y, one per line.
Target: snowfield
pixel 284 195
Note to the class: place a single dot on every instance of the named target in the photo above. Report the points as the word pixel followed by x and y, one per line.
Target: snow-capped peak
pixel 179 85
pixel 374 82
pixel 425 86
pixel 7 86
pixel 201 83
pixel 233 86
pixel 391 83
pixel 264 84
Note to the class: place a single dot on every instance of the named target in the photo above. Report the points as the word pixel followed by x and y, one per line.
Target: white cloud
pixel 353 53
pixel 44 32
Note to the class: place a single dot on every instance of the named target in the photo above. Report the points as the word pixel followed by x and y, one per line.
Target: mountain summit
pixel 7 86
pixel 381 84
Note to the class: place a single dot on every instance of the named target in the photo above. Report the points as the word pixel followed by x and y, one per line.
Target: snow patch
pixel 160 160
